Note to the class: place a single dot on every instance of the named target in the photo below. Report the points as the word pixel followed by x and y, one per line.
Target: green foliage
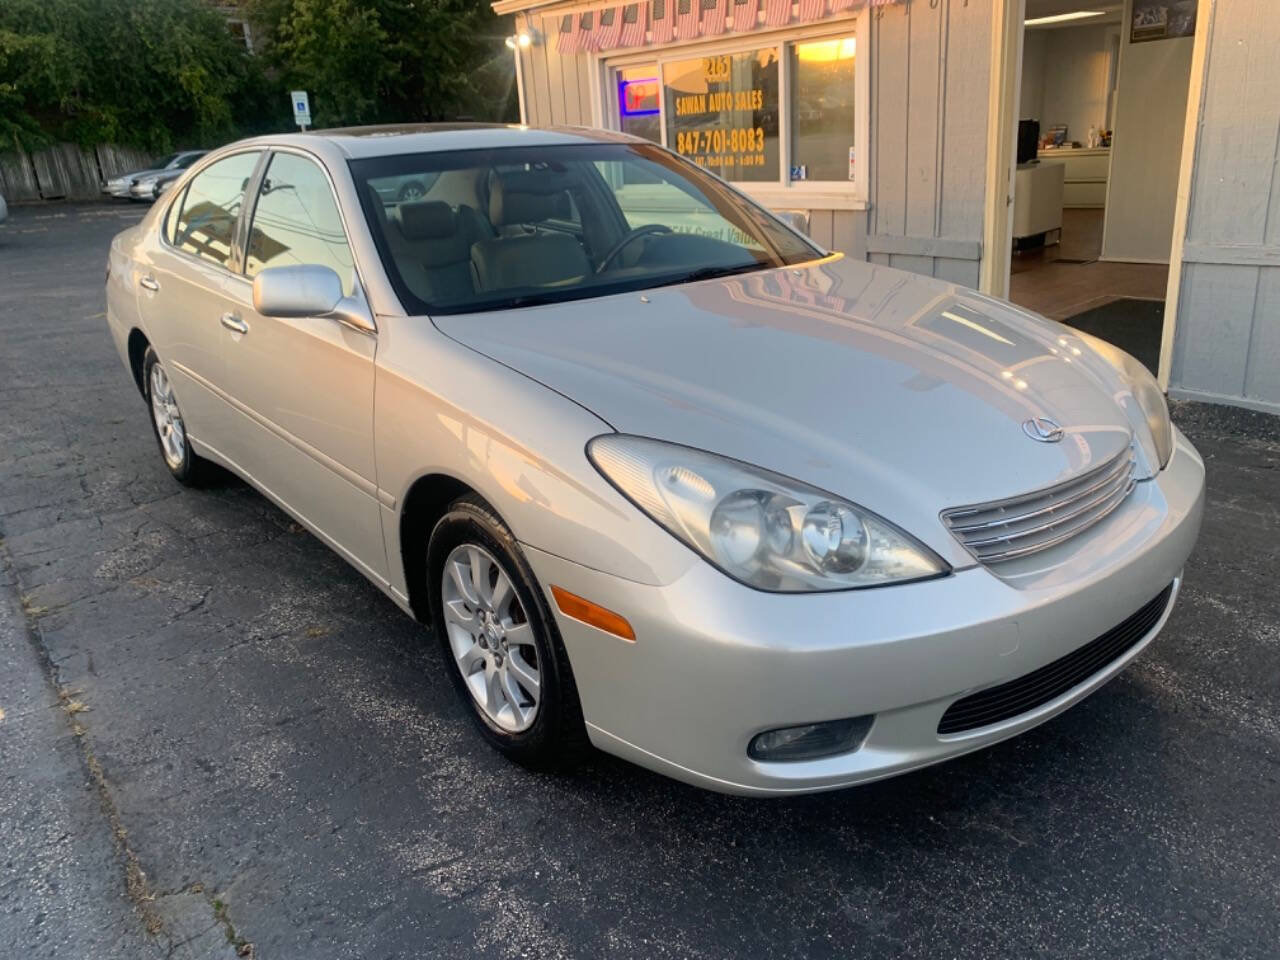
pixel 148 73
pixel 389 61
pixel 164 74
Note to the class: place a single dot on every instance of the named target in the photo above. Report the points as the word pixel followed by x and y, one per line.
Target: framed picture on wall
pixel 1162 20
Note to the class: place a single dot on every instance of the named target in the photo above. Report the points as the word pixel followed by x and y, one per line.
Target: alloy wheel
pixel 491 638
pixel 168 419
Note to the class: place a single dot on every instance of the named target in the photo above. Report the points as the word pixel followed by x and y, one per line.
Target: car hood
pixel 902 393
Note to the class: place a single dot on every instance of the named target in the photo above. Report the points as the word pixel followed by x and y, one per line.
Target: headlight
pixel 763 529
pixel 1146 394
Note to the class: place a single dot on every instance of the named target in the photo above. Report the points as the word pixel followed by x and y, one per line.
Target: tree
pixel 366 61
pixel 148 73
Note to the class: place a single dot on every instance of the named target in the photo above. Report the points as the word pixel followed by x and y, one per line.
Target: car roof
pixel 355 143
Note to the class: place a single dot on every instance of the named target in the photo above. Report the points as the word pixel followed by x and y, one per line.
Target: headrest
pixel 427 220
pixel 526 199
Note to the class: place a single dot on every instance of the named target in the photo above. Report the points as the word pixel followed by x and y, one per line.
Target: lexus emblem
pixel 1042 429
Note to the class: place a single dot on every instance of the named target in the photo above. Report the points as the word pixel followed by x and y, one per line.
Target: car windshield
pixel 499 228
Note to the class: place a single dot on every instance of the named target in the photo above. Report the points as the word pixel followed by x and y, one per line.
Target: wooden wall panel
pixel 963 272
pixel 963 167
pixel 557 68
pixel 1211 353
pixel 17 179
pixel 1262 365
pixel 821 229
pixel 113 161
pixel 890 108
pixel 1241 107
pixel 849 233
pixel 925 97
pixel 536 85
pixel 1227 338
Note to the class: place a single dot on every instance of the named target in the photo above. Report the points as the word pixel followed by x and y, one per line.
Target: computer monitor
pixel 1028 140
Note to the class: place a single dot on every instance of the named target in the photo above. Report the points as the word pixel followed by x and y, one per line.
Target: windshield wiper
pixel 708 273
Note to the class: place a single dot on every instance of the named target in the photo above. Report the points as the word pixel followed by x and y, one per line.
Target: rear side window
pixel 206 223
pixel 296 221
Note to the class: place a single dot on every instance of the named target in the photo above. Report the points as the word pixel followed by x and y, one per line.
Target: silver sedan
pixel 662 476
pixel 140 184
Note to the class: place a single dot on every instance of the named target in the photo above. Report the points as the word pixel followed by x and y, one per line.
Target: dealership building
pixel 893 127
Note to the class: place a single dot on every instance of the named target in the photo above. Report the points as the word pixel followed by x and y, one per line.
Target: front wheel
pixel 500 641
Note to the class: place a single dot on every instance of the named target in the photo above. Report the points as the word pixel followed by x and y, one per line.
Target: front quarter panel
pixel 441 408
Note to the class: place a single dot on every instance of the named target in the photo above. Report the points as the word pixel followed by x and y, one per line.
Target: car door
pixel 182 290
pixel 302 389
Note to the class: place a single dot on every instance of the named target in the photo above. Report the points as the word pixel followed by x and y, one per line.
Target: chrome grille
pixel 1023 525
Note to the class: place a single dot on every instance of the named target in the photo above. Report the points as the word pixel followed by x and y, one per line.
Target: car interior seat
pixel 529 257
pixel 431 243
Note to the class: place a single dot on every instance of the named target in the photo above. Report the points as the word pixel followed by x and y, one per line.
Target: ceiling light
pixel 1064 17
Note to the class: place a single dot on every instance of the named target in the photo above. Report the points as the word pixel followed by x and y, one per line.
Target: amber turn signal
pixel 579 608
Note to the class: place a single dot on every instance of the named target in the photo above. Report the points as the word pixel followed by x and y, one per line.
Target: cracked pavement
pixel 265 751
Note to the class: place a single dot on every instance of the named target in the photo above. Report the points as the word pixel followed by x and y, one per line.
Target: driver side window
pixel 645 197
pixel 296 221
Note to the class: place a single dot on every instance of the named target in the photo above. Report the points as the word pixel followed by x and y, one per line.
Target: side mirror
pixel 797 220
pixel 308 290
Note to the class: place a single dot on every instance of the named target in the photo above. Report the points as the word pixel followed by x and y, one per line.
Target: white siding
pixel 1227 339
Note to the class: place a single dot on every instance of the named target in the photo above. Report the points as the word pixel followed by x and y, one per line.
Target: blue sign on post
pixel 301 108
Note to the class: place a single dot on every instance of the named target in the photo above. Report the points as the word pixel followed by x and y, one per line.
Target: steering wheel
pixel 626 241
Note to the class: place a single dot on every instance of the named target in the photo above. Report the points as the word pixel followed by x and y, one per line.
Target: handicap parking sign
pixel 301 108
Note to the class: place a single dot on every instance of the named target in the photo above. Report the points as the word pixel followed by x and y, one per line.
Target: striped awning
pixel 653 22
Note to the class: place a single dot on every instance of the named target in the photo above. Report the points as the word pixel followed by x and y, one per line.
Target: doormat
pixel 1133 325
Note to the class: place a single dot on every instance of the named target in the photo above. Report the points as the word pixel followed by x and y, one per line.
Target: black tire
pixel 557 739
pixel 192 470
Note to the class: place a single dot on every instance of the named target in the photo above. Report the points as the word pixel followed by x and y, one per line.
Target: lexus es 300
pixel 661 474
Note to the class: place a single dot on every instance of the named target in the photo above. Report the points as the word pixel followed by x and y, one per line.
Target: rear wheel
pixel 500 640
pixel 169 427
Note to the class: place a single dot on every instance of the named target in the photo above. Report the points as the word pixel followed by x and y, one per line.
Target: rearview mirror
pixel 308 290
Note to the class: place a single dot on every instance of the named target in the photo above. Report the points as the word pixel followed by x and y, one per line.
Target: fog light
pixel 810 741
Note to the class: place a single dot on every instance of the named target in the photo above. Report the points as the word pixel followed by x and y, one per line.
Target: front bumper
pixel 715 662
pixel 118 190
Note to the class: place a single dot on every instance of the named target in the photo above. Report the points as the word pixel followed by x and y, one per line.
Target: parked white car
pixel 752 514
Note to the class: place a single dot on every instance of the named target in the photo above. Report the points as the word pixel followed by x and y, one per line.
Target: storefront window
pixel 638 103
pixel 822 82
pixel 722 113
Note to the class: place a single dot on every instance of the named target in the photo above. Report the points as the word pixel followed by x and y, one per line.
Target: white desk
pixel 1037 200
pixel 1086 176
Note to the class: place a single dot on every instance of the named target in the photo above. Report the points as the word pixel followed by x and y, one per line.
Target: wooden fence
pixel 64 171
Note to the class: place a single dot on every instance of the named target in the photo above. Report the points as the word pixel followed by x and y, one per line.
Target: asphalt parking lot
pixel 217 738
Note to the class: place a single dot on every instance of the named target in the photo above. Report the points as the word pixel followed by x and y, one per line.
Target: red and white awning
pixel 653 22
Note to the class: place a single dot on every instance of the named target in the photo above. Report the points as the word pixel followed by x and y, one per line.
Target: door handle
pixel 234 323
pixel 149 282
